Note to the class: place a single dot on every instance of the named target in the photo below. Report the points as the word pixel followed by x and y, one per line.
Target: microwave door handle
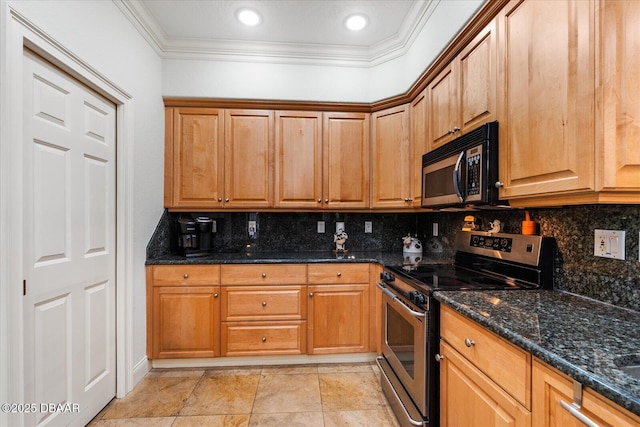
pixel 457 177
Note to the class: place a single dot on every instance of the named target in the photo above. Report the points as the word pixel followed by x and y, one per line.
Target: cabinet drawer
pixel 506 364
pixel 264 274
pixel 264 302
pixel 320 274
pixel 261 338
pixel 172 275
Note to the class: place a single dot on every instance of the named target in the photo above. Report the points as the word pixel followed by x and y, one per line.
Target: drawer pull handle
pixel 215 295
pixel 469 343
pixel 575 411
pixel 264 303
pixel 439 357
pixel 264 274
pixel 264 339
pixel 186 276
pixel 339 274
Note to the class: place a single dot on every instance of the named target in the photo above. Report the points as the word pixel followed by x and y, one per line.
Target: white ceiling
pixel 302 31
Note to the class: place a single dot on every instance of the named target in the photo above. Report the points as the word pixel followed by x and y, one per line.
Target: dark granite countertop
pixel 581 337
pixel 248 257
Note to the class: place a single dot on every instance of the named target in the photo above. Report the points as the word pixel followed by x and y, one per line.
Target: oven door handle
pixel 395 298
pixel 457 178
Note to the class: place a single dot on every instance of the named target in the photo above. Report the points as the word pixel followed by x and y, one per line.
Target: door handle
pixel 457 177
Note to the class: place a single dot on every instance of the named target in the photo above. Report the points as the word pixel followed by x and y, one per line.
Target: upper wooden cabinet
pixel 391 169
pixel 546 108
pixel 248 171
pixel 419 146
pixel 218 158
pixel 462 96
pixel 345 179
pixel 570 97
pixel 298 178
pixel 194 157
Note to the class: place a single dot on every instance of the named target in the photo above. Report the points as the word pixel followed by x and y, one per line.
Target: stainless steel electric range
pixel 483 261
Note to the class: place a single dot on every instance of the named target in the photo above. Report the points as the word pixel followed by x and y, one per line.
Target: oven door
pixel 404 345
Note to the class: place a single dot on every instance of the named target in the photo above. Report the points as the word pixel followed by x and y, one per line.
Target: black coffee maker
pixel 195 236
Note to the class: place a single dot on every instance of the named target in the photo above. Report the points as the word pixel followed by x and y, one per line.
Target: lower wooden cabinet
pixel 263 338
pixel 553 403
pixel 468 397
pixel 183 311
pixel 484 380
pixel 339 309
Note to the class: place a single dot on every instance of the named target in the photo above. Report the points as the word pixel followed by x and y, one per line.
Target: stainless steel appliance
pixel 483 261
pixel 464 171
pixel 195 236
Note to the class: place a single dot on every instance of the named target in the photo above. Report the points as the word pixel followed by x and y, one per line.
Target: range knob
pixel 387 277
pixel 417 297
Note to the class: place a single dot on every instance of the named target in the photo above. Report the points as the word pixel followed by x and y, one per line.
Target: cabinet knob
pixel 439 357
pixel 469 342
pixel 264 274
pixel 319 200
pixel 226 200
pixel 498 184
pixel 264 339
pixel 264 303
pixel 311 294
pixel 215 295
pixel 456 129
pixel 326 200
pixel 185 275
pixel 339 274
pixel 219 199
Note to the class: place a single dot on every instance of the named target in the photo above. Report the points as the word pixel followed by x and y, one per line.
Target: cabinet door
pixel 186 322
pixel 478 85
pixel 469 398
pixel 550 388
pixel 345 160
pixel 194 161
pixel 444 106
pixel 248 159
pixel 338 319
pixel 298 177
pixel 418 119
pixel 618 138
pixel 546 112
pixel 391 171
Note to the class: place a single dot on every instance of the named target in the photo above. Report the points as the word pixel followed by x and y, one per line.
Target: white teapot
pixel 411 245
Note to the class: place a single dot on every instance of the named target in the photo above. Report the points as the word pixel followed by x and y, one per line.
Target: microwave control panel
pixel 474 171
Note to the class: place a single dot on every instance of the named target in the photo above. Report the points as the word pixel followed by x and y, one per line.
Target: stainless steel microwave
pixel 463 172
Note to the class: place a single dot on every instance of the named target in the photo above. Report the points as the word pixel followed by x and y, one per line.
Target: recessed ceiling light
pixel 356 22
pixel 249 17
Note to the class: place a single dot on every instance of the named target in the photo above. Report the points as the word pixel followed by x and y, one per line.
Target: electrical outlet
pixel 339 226
pixel 435 229
pixel 368 227
pixel 252 229
pixel 609 244
pixel 320 226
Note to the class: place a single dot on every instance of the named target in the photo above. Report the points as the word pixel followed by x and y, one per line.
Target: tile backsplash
pixel 577 270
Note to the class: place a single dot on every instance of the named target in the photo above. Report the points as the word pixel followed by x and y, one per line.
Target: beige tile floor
pixel 308 396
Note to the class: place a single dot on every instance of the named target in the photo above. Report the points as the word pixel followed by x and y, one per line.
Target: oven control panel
pixel 502 244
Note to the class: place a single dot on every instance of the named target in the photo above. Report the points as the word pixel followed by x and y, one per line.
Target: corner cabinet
pixel 392 172
pixel 183 311
pixel 554 397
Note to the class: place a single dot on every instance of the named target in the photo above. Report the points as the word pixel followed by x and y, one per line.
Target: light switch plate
pixel 339 226
pixel 368 227
pixel 609 244
pixel 320 226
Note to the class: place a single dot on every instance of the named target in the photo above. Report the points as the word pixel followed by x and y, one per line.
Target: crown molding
pixel 279 53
